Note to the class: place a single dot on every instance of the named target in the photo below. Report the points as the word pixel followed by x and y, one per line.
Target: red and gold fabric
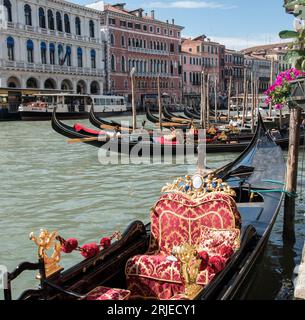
pixel 176 220
pixel 104 293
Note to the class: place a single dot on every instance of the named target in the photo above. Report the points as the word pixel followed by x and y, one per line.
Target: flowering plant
pixel 279 92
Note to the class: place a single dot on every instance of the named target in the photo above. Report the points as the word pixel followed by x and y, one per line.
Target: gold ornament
pixel 45 241
pixel 190 264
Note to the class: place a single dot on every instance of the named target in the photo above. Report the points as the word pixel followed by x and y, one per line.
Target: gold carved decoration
pixel 45 241
pixel 198 185
pixel 190 264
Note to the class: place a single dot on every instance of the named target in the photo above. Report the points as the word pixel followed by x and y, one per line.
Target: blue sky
pixel 236 23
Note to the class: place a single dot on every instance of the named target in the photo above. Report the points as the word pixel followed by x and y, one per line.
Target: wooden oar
pixel 109 127
pixel 76 140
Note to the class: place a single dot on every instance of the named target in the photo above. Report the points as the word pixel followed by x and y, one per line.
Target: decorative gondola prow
pixel 46 241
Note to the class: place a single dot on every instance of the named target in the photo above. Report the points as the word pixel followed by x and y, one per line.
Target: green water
pixel 46 182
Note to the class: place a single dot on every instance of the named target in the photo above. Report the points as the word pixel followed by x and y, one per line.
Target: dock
pixel 299 292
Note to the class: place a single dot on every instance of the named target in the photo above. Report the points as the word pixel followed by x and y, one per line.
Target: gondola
pixel 169 115
pixel 166 123
pixel 191 114
pixel 107 125
pixel 248 191
pixel 149 145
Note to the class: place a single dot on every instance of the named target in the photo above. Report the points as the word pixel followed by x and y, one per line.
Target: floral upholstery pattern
pixel 158 267
pixel 175 220
pixel 213 240
pixel 104 293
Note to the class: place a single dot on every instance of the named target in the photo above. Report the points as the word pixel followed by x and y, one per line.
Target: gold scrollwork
pixel 190 264
pixel 45 241
pixel 209 184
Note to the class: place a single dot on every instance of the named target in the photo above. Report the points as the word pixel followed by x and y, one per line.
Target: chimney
pixel 173 21
pixel 152 14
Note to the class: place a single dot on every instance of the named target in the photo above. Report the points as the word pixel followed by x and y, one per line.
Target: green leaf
pixel 288 34
pixel 294 55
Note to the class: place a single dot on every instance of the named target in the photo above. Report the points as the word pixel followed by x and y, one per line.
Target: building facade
pixel 50 44
pixel 234 69
pixel 212 54
pixel 259 68
pixel 137 40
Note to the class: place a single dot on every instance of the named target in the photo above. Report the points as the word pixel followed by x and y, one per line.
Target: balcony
pixel 153 74
pixel 56 69
pixel 148 51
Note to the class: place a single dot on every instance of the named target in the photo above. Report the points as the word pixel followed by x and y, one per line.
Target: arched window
pixel 79 57
pixel 67 24
pixel 51 20
pixel 61 55
pixel 28 15
pixel 68 56
pixel 112 63
pixel 8 6
pixel 58 21
pixel 43 52
pixel 91 29
pixel 112 39
pixel 30 51
pixel 78 29
pixel 123 41
pixel 52 53
pixel 123 66
pixel 42 18
pixel 10 48
pixel 93 59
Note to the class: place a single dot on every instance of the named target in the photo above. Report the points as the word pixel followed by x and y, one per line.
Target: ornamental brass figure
pixel 46 241
pixel 187 255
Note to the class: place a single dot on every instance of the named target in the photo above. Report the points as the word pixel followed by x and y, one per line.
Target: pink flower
pixel 278 106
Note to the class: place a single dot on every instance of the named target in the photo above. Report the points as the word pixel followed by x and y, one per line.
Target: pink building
pixel 152 47
pixel 212 54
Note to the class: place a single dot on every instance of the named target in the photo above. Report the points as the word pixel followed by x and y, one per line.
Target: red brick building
pixel 139 40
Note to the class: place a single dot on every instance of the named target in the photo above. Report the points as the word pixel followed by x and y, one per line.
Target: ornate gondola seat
pixel 177 219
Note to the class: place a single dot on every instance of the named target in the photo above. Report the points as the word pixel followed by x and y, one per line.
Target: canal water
pixel 46 182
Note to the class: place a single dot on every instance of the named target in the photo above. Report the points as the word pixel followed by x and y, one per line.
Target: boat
pixel 168 115
pixel 236 204
pixel 166 123
pixel 69 106
pixel 100 123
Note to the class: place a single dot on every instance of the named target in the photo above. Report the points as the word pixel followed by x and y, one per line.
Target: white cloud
pixel 188 5
pixel 239 43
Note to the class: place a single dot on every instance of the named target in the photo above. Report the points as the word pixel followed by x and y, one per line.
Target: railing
pixel 148 51
pixel 50 68
pixel 152 74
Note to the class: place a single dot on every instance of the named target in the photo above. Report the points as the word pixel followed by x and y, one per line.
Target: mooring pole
pixel 203 102
pixel 208 102
pixel 229 98
pixel 271 82
pixel 292 173
pixel 133 105
pixel 159 103
pixel 215 101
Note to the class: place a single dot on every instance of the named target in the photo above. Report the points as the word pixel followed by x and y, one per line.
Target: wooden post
pixel 253 102
pixel 215 107
pixel 159 102
pixel 271 82
pixel 134 111
pixel 202 102
pixel 208 102
pixel 229 97
pixel 245 101
pixel 237 99
pixel 292 172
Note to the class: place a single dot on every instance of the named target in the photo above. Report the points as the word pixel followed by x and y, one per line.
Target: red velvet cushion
pixel 104 293
pixel 176 219
pixel 158 267
pixel 212 240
